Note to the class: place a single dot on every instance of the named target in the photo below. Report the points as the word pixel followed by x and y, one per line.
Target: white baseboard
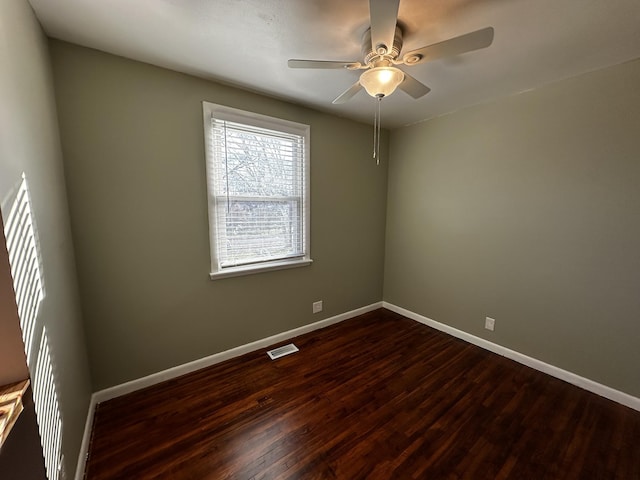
pixel 86 439
pixel 133 385
pixel 595 387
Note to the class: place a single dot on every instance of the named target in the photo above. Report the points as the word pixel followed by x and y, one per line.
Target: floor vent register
pixel 282 351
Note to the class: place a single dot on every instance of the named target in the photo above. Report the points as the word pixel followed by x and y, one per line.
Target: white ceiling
pixel 248 42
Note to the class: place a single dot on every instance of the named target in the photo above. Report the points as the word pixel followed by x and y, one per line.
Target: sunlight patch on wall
pixel 28 283
pixel 25 264
pixel 48 411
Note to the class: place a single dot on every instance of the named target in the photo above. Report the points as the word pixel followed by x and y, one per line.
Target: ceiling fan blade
pixel 449 48
pixel 384 16
pixel 347 94
pixel 413 87
pixel 293 63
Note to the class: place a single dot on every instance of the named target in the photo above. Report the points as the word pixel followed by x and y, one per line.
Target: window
pixel 258 189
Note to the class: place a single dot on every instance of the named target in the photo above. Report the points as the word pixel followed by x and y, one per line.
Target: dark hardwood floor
pixel 375 397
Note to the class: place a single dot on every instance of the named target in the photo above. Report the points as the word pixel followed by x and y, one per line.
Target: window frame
pixel 225 113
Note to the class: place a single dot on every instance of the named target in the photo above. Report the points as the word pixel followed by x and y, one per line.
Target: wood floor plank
pixel 375 397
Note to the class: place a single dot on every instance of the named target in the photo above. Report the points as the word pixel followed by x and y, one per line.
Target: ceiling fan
pixel 381 47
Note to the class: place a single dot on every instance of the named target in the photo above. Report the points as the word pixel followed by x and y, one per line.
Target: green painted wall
pixel 30 145
pixel 527 209
pixel 133 148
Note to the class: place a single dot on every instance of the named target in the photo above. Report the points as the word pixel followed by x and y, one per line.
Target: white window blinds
pixel 257 193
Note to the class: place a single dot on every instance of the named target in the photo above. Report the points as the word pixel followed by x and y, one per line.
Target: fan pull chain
pixel 376 133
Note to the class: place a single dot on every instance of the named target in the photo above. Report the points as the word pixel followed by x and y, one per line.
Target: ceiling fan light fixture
pixel 381 81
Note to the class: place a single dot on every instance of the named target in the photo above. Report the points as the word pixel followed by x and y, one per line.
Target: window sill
pixel 251 269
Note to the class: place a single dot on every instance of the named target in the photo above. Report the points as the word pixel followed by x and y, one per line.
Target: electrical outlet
pixel 317 306
pixel 489 323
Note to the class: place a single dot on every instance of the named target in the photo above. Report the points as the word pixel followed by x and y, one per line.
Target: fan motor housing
pixel 369 53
